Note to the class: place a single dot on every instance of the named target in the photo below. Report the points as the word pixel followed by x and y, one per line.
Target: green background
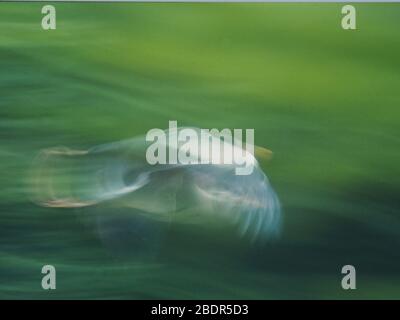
pixel 325 100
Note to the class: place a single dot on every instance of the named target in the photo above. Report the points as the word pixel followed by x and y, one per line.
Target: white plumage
pixel 118 174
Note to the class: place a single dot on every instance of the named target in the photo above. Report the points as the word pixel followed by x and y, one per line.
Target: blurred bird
pixel 118 173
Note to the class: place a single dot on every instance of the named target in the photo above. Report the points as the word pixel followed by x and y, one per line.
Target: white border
pixel 217 1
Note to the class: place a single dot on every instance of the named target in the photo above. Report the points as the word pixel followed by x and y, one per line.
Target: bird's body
pixel 118 173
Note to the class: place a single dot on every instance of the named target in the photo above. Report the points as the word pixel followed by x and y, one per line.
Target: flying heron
pixel 118 173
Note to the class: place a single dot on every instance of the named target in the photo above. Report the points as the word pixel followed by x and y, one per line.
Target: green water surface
pixel 326 101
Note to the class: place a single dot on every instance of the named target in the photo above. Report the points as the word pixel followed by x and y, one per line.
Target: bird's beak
pixel 262 153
